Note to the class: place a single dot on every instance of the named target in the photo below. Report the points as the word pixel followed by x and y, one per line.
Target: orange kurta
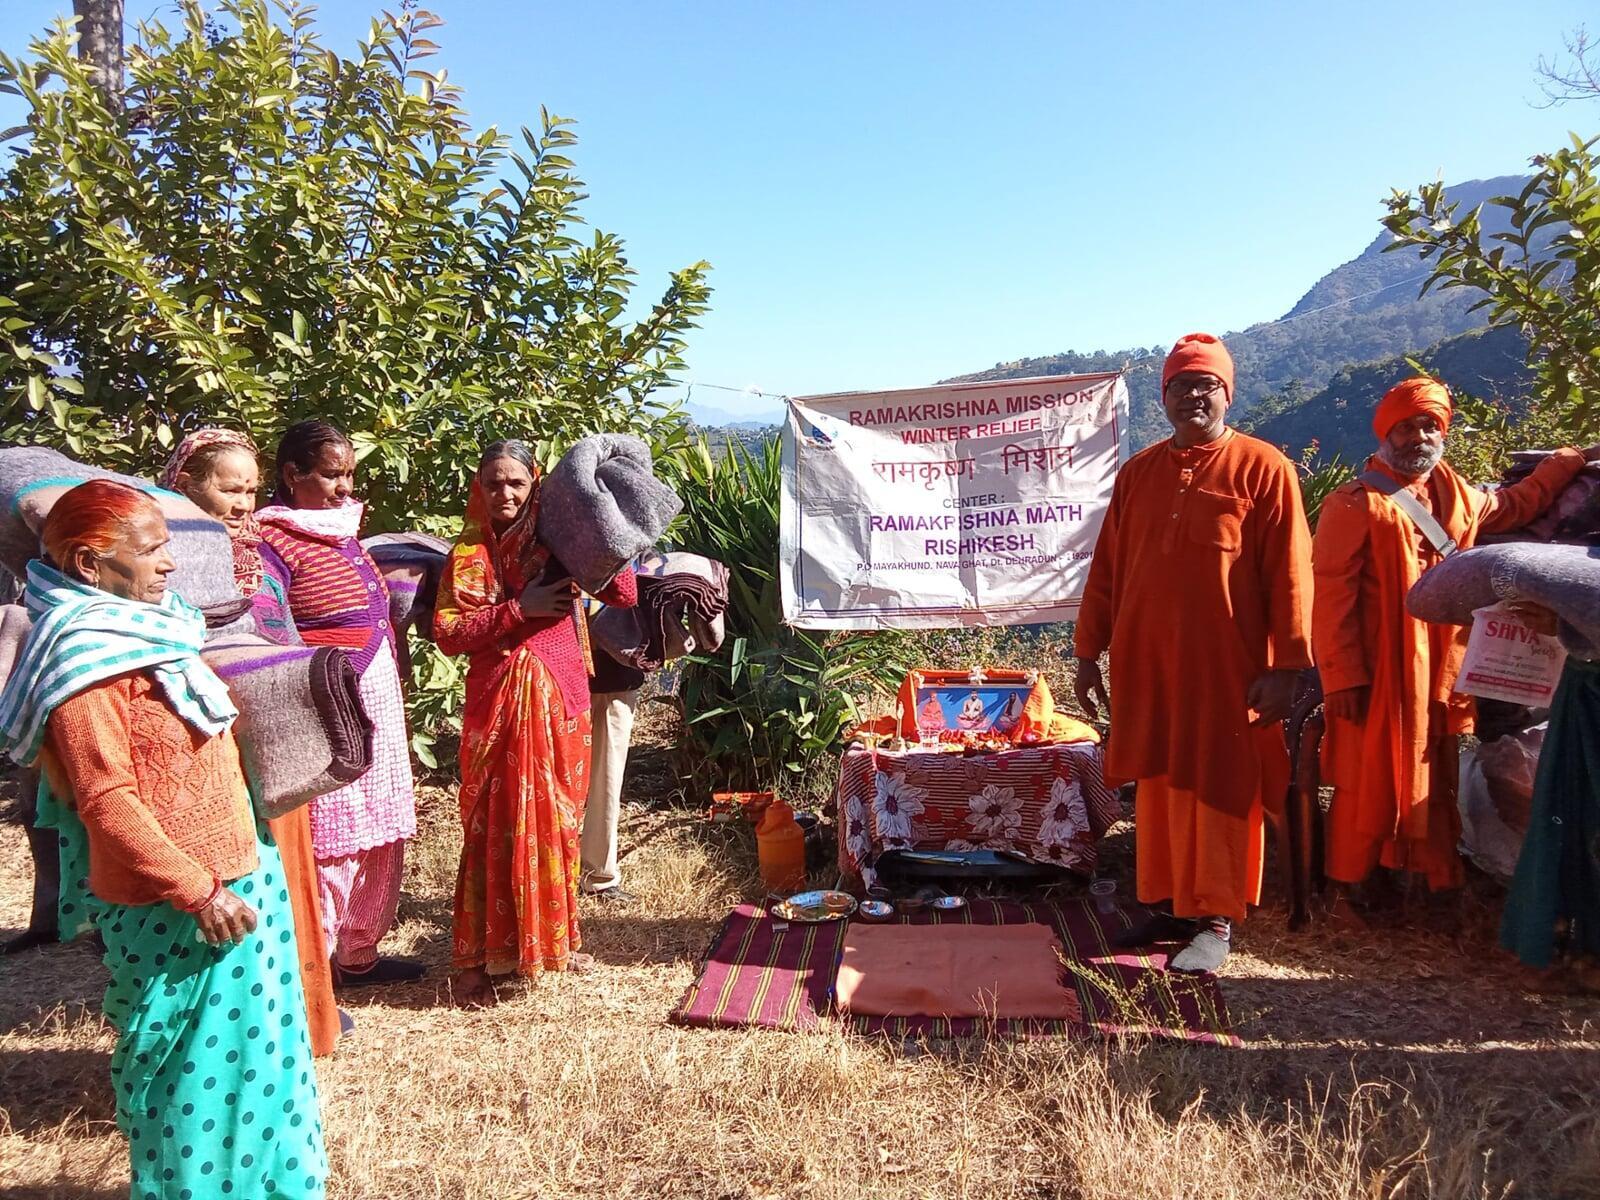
pixel 1201 582
pixel 1386 769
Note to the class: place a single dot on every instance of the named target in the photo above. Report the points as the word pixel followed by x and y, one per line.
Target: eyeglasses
pixel 1206 385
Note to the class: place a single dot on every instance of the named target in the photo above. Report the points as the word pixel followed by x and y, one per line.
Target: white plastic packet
pixel 1509 659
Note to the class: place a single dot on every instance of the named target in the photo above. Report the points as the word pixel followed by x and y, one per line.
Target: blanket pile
pixel 302 729
pixel 682 599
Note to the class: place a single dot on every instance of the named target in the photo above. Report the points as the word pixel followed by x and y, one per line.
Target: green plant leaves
pixel 270 230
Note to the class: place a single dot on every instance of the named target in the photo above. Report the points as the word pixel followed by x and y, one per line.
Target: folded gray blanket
pixel 682 599
pixel 602 507
pixel 1563 579
pixel 302 728
pixel 14 626
pixel 32 478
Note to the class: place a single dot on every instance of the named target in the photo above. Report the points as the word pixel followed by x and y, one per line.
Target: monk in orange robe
pixel 1390 751
pixel 1201 590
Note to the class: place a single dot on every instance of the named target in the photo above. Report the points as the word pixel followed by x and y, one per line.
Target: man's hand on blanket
pixel 226 919
pixel 547 599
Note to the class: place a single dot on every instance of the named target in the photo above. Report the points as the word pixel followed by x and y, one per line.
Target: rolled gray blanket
pixel 14 626
pixel 302 728
pixel 602 507
pixel 1563 579
pixel 33 477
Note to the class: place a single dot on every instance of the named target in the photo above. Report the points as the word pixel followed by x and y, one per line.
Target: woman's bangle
pixel 208 901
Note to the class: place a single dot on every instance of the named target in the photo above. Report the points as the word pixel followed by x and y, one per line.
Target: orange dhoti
pixel 1361 836
pixel 1206 860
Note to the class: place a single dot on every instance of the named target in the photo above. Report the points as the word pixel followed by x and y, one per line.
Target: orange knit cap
pixel 1200 352
pixel 1418 395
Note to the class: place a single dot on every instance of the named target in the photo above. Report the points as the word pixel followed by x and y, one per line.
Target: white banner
pixel 965 504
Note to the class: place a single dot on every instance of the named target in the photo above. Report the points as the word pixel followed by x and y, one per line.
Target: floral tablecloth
pixel 1048 804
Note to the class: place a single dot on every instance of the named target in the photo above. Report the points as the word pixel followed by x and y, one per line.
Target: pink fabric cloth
pixel 997 971
pixel 360 894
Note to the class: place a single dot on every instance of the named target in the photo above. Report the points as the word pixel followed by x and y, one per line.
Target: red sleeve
pixel 465 618
pixel 91 736
pixel 1514 506
pixel 621 592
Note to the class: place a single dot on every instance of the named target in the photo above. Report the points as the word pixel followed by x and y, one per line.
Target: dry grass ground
pixel 1391 1064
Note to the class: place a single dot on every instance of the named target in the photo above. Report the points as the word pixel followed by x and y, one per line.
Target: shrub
pixel 770 710
pixel 1540 274
pixel 265 230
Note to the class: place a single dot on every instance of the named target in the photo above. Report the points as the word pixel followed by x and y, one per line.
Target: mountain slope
pixel 1487 363
pixel 1362 311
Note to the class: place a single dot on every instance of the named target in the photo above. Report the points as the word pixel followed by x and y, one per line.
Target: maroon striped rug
pixel 782 978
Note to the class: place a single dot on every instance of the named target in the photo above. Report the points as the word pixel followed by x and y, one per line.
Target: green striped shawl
pixel 82 636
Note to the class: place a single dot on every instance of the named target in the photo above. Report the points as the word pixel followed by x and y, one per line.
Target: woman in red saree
pixel 507 604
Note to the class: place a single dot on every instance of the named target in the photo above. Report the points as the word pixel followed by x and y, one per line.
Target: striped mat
pixel 758 973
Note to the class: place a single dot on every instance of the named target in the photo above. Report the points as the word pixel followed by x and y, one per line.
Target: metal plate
pixel 811 907
pixel 946 903
pixel 875 910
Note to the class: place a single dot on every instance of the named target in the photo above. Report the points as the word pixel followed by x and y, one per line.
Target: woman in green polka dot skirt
pixel 161 853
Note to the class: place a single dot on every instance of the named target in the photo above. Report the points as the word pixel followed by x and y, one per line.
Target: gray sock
pixel 1208 948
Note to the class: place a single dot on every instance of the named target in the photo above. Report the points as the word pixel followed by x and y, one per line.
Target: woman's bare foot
pixel 473 988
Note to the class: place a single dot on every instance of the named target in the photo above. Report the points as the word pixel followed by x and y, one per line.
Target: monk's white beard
pixel 1414 466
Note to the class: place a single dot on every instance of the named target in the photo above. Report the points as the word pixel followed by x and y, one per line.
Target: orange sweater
pixel 167 809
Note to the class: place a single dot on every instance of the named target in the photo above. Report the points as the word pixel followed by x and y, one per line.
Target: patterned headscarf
pixel 247 568
pixel 512 559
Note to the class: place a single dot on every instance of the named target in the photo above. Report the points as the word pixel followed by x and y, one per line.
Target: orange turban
pixel 1421 394
pixel 1200 352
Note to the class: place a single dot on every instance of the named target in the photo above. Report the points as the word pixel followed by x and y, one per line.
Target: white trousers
pixel 612 716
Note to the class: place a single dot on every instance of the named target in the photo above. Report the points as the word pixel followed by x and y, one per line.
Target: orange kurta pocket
pixel 1217 520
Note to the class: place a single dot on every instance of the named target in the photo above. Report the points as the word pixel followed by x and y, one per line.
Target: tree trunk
pixel 100 44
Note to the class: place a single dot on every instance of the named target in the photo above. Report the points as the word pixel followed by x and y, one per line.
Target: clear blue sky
pixel 893 192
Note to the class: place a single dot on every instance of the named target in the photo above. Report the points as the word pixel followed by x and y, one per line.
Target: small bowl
pixel 875 910
pixel 947 903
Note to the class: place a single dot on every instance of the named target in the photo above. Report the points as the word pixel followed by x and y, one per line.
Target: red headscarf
pixel 247 568
pixel 1200 352
pixel 1414 397
pixel 512 559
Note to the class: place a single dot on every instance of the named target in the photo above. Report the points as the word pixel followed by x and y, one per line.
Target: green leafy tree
pixel 1540 274
pixel 259 230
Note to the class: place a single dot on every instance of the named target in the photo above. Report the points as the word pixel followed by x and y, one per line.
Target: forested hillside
pixel 1363 312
